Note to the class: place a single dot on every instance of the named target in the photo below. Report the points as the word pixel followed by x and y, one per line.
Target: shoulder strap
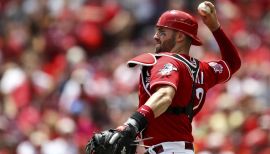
pixel 194 69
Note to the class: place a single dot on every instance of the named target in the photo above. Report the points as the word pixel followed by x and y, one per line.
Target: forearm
pixel 228 51
pixel 157 104
pixel 160 101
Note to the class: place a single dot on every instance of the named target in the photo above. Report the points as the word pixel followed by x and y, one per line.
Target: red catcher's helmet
pixel 181 21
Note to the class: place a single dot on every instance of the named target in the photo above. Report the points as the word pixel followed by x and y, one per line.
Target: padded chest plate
pixel 145 59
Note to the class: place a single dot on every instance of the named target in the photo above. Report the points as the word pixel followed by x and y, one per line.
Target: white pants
pixel 171 148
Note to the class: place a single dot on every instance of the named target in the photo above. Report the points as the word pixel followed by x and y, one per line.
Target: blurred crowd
pixel 63 73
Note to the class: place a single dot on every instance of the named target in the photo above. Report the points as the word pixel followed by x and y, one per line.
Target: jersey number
pixel 199 95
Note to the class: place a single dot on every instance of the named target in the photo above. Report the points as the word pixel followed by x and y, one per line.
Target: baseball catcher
pixel 172 87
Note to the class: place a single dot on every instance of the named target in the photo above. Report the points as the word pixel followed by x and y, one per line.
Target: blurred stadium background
pixel 63 73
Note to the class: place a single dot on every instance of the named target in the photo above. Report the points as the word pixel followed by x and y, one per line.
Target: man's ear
pixel 180 37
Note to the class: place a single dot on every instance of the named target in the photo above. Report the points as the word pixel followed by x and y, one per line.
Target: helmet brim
pixel 196 41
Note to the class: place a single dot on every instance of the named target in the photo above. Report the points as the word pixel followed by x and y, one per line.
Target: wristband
pixel 147 112
pixel 143 116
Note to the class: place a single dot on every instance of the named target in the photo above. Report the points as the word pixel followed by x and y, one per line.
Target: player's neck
pixel 181 49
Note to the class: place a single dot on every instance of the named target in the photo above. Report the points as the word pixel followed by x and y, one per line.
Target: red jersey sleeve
pixel 216 72
pixel 165 72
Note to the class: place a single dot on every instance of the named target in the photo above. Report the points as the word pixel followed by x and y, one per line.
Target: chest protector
pixel 148 59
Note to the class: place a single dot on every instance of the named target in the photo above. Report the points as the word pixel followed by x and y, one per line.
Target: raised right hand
pixel 210 18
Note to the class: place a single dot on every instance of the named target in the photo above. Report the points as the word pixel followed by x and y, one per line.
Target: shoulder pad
pixel 145 59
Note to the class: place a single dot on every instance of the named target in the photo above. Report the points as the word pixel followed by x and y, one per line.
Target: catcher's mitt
pixel 101 143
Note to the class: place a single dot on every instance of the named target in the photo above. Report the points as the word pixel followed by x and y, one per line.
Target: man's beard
pixel 166 46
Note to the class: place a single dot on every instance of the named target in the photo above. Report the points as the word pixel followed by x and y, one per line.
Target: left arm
pixel 161 100
pixel 157 104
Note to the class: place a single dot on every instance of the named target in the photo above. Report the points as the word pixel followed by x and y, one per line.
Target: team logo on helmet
pixel 167 69
pixel 218 68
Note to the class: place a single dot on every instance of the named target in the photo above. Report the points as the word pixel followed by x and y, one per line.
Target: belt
pixel 159 148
